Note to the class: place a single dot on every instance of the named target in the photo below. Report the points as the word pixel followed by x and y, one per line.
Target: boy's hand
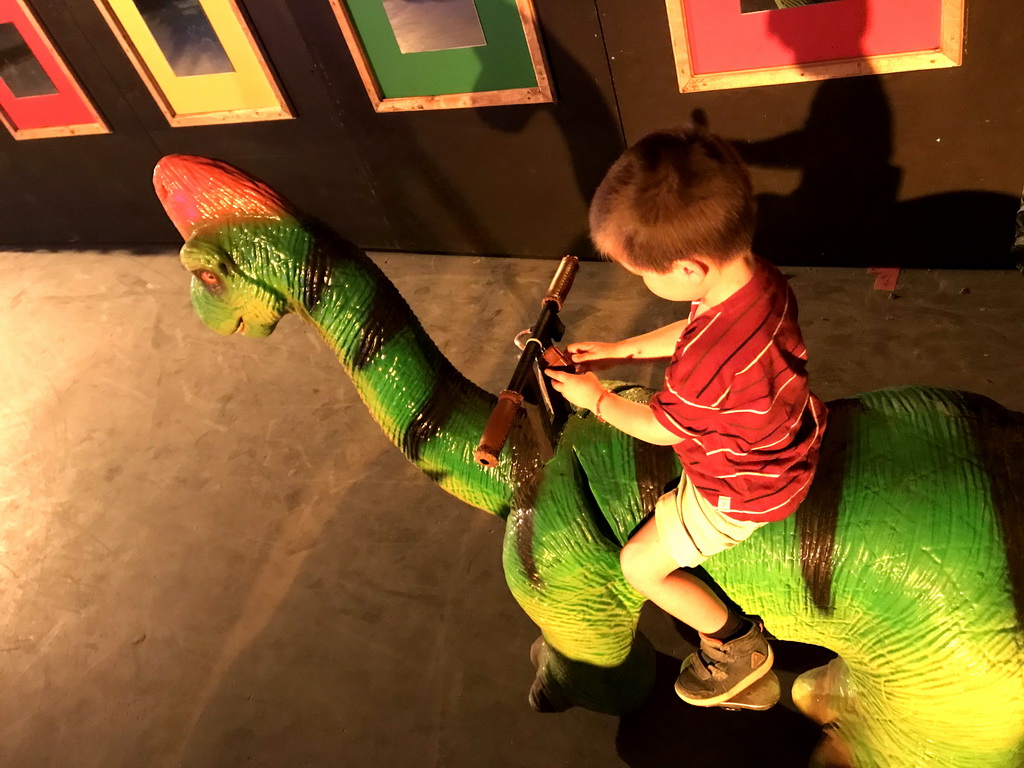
pixel 594 355
pixel 635 419
pixel 581 390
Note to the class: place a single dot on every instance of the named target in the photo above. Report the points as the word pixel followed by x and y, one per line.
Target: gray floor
pixel 211 556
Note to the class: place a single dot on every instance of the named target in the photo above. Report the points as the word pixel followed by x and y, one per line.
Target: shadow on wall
pixel 846 210
pixel 590 128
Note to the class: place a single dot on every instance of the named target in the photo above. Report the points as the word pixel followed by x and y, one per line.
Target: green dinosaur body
pixel 907 559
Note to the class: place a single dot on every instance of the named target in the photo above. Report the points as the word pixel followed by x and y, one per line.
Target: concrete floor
pixel 211 556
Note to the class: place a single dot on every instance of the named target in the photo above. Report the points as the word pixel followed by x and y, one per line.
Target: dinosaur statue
pixel 907 558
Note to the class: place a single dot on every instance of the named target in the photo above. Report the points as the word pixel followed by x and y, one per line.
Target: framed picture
pixel 414 55
pixel 198 58
pixel 740 43
pixel 39 97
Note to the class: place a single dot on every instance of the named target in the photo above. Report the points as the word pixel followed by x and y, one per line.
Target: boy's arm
pixel 635 419
pixel 656 344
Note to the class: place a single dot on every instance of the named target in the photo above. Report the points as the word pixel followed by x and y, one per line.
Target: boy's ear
pixel 691 270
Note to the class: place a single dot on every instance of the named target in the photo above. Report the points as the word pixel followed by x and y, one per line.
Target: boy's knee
pixel 635 564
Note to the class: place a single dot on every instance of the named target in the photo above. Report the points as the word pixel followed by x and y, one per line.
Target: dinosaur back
pixel 912 517
pixel 914 485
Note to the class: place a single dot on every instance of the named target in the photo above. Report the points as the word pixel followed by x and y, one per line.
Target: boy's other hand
pixel 581 390
pixel 594 355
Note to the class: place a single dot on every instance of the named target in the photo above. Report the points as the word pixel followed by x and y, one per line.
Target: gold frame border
pixel 949 54
pixel 542 93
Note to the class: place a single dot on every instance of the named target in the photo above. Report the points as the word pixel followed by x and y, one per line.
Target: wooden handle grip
pixel 498 426
pixel 562 281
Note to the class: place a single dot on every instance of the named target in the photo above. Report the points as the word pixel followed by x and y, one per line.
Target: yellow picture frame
pixel 249 93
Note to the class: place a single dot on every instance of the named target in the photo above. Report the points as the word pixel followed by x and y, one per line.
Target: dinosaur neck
pixel 424 405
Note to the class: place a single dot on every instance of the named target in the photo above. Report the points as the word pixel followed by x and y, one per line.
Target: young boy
pixel 677 210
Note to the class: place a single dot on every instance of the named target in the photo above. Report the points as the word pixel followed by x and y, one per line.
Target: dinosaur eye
pixel 208 279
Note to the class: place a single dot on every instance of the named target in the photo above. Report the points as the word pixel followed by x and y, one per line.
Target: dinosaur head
pixel 244 243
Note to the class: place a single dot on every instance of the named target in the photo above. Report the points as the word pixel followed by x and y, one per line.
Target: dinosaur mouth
pixel 252 330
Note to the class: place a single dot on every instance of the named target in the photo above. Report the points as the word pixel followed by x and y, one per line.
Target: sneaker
pixel 719 671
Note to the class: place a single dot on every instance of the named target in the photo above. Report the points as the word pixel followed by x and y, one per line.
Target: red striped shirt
pixel 736 395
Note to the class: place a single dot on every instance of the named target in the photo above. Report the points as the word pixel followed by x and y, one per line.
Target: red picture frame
pixel 68 112
pixel 717 46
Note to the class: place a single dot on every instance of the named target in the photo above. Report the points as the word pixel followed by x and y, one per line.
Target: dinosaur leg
pixel 562 682
pixel 589 654
pixel 817 693
pixel 954 721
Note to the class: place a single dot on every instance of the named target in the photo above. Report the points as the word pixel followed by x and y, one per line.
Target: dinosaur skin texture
pixel 907 559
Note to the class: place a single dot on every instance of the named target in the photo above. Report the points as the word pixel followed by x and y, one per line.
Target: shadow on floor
pixel 666 733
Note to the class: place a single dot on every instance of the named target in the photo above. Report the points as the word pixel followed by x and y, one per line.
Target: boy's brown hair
pixel 675 194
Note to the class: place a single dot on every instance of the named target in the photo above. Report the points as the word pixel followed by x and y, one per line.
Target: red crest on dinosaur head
pixel 196 191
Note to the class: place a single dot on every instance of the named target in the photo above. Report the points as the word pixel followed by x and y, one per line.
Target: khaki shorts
pixel 692 529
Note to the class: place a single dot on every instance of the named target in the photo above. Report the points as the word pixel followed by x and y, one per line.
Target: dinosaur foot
pixel 819 693
pixel 544 702
pixel 563 682
pixel 832 752
pixel 813 692
pixel 542 699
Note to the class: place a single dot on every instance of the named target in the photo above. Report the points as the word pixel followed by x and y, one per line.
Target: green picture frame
pixel 510 68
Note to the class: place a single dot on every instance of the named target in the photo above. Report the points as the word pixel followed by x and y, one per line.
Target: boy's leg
pixel 733 654
pixel 652 571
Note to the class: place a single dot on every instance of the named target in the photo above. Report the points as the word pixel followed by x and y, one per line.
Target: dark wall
pixel 501 180
pixel 919 168
pixel 914 168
